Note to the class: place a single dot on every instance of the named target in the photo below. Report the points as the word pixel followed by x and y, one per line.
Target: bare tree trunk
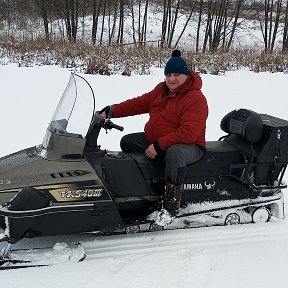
pixel 112 32
pixel 208 25
pixel 199 25
pixel 169 19
pixel 276 25
pixel 139 20
pixel 186 24
pixel 74 8
pixel 169 22
pixel 103 22
pixel 270 24
pixel 285 31
pixel 67 21
pixel 133 22
pixel 121 23
pixel 96 12
pixel 44 13
pixel 219 13
pixel 144 24
pixel 174 24
pixel 235 24
pixel 83 17
pixel 164 23
pixel 222 22
pixel 270 21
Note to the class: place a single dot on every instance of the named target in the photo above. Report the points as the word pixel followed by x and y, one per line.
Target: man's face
pixel 174 80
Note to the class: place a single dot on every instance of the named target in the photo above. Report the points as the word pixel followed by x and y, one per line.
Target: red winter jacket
pixel 176 117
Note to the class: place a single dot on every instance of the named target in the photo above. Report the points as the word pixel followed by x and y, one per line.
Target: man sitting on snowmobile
pixel 176 128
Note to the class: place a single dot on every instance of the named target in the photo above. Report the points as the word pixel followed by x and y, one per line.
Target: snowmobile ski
pixel 7 264
pixel 39 257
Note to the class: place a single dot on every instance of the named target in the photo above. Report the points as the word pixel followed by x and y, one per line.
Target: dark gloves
pixel 107 110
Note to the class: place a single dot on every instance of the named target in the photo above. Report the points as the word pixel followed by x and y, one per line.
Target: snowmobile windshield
pixel 74 112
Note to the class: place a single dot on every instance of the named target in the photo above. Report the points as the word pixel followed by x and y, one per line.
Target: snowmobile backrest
pixel 245 123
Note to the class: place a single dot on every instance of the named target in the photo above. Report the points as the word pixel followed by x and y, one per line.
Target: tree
pixel 44 9
pixel 96 12
pixel 111 28
pixel 69 11
pixel 173 24
pixel 199 25
pixel 222 21
pixel 142 37
pixel 170 17
pixel 235 24
pixel 187 22
pixel 121 22
pixel 285 30
pixel 269 19
pixel 103 22
pixel 141 29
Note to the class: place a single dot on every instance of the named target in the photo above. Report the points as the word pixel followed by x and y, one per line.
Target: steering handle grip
pixel 117 127
pixel 108 124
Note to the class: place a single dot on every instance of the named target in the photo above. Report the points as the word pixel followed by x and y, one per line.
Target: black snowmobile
pixel 70 185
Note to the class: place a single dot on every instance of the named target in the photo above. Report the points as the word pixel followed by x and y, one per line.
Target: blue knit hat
pixel 176 64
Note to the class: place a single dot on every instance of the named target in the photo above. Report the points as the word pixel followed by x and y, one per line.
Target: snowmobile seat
pixel 216 161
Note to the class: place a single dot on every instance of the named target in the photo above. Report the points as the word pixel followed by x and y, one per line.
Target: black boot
pixel 172 196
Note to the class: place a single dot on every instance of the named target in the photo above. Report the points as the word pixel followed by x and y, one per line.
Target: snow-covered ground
pixel 253 255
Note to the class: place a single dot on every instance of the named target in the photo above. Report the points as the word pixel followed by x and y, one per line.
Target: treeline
pixel 215 22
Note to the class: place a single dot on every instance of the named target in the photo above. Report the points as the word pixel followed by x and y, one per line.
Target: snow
pixel 250 255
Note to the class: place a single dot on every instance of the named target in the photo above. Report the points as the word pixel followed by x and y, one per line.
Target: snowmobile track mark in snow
pixel 211 237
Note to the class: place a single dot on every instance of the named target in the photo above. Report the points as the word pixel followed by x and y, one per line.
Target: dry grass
pixel 119 59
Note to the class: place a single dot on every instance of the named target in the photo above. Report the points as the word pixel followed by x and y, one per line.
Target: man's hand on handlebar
pixel 106 112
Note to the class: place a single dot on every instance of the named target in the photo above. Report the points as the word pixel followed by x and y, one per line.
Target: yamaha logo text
pixel 199 186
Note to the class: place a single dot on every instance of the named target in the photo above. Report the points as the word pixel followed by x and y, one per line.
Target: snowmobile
pixel 68 184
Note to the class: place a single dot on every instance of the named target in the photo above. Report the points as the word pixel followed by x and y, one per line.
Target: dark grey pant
pixel 176 157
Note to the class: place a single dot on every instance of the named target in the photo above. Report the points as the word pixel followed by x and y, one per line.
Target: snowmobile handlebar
pixel 96 125
pixel 108 124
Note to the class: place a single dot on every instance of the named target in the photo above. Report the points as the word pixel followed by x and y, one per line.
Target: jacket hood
pixel 196 79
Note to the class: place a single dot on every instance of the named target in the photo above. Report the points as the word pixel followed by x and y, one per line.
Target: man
pixel 176 127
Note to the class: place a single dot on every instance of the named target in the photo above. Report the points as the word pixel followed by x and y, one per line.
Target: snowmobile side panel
pixel 27 199
pixel 57 220
pixel 102 217
pixel 125 177
pixel 92 208
pixel 274 149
